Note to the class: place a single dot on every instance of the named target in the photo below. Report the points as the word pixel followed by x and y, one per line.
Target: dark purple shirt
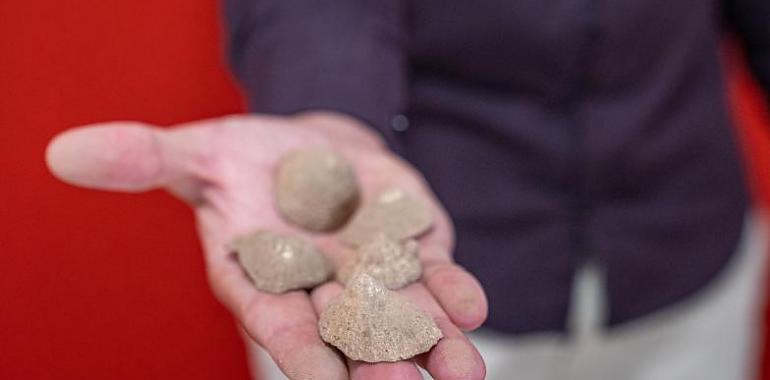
pixel 553 130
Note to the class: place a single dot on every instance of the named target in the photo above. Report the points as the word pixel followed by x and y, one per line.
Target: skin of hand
pixel 223 168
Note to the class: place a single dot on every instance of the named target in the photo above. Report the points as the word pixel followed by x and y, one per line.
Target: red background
pixel 101 285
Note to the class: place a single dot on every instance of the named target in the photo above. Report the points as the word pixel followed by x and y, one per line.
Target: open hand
pixel 224 169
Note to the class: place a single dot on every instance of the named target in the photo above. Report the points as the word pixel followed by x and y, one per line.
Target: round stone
pixel 316 189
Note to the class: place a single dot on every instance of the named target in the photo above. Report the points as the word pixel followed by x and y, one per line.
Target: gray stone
pixel 393 263
pixel 393 212
pixel 316 189
pixel 279 263
pixel 368 322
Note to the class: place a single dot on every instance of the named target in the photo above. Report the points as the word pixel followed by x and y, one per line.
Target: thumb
pixel 122 156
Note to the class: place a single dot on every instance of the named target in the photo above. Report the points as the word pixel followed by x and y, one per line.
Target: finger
pixel 324 294
pixel 458 291
pixel 125 156
pixel 454 356
pixel 285 325
pixel 406 370
pixel 403 370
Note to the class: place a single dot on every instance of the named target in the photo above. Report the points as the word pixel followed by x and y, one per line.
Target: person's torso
pixel 557 129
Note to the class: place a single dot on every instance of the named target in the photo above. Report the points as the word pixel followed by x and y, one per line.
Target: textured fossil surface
pixel 393 263
pixel 392 212
pixel 368 322
pixel 316 189
pixel 279 263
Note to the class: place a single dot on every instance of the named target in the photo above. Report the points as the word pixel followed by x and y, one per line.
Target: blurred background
pixel 96 285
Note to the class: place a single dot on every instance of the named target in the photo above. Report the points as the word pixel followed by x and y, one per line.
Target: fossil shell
pixel 278 263
pixel 316 189
pixel 371 323
pixel 393 212
pixel 390 262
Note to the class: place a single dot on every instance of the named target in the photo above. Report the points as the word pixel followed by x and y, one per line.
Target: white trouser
pixel 714 335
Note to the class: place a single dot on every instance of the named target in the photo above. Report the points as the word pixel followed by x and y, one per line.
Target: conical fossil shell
pixel 371 323
pixel 316 189
pixel 390 262
pixel 393 212
pixel 278 263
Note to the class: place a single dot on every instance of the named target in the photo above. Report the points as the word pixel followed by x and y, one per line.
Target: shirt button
pixel 399 123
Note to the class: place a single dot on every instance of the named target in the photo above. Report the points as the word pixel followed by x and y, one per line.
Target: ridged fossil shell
pixel 388 261
pixel 279 263
pixel 393 212
pixel 371 323
pixel 316 189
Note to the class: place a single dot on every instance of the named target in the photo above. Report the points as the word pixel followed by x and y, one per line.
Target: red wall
pixel 750 112
pixel 96 285
pixel 100 285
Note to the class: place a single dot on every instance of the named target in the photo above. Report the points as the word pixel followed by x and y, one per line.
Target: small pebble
pixel 393 212
pixel 368 322
pixel 316 189
pixel 393 263
pixel 279 263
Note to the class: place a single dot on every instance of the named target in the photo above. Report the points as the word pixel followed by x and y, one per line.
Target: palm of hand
pixel 224 169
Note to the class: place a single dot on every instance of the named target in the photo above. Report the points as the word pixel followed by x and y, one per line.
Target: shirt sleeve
pixel 750 19
pixel 339 55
